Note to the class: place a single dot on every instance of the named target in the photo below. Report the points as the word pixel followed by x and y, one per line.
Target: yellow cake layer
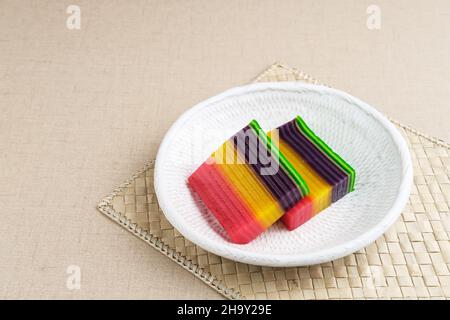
pixel 244 181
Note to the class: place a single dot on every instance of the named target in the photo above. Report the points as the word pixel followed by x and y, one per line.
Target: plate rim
pixel 301 259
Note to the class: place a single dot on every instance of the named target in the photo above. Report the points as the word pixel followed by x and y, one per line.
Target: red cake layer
pixel 225 203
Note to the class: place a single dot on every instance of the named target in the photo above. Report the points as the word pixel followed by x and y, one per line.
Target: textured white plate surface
pixel 360 134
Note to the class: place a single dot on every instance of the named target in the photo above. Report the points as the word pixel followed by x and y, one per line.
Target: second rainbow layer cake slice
pixel 248 184
pixel 327 175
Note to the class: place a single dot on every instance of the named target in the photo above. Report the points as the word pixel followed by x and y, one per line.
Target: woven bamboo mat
pixel 410 261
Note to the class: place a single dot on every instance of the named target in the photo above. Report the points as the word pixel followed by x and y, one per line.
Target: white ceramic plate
pixel 356 131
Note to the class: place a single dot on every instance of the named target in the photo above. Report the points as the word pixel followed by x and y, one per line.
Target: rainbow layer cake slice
pixel 327 175
pixel 248 184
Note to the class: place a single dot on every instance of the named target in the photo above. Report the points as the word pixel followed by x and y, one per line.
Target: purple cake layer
pixel 281 186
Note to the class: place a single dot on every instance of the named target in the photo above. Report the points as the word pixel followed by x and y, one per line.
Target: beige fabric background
pixel 72 100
